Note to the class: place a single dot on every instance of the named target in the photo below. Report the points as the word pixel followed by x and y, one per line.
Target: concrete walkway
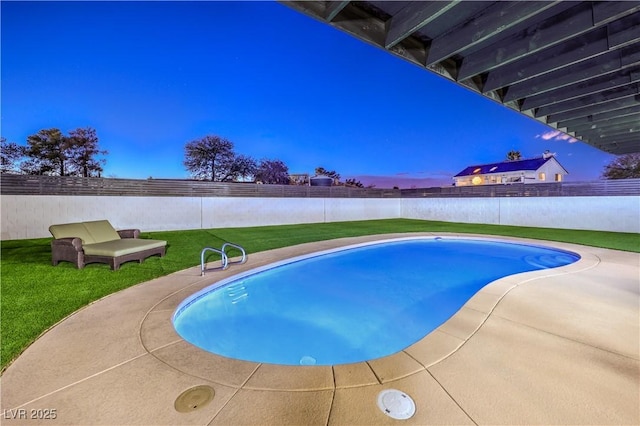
pixel 557 346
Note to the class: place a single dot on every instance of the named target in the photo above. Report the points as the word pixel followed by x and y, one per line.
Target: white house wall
pixel 550 168
pixel 29 216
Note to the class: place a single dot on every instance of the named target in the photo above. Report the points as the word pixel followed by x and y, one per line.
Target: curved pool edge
pixel 435 347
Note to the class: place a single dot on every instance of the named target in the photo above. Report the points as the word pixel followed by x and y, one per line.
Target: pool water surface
pixel 353 304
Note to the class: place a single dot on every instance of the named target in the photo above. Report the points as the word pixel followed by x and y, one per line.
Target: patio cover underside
pixel 574 66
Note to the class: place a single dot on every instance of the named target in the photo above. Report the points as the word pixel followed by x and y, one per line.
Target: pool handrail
pixel 244 253
pixel 223 255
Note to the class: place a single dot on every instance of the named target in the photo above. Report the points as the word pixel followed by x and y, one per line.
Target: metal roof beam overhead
pixel 491 22
pixel 629 135
pixel 593 109
pixel 541 35
pixel 359 23
pixel 615 146
pixel 596 99
pixel 619 141
pixel 607 134
pixel 598 118
pixel 575 73
pixel 554 58
pixel 333 8
pixel 597 41
pixel 618 124
pixel 599 141
pixel 612 80
pixel 413 17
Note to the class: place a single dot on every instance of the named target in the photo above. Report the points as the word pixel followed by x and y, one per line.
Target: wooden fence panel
pixel 55 185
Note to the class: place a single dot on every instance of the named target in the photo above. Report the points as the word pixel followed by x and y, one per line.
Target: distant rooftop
pixel 505 166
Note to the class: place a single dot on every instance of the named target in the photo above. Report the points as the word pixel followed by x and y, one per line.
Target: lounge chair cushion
pixel 121 247
pixel 101 231
pixel 72 230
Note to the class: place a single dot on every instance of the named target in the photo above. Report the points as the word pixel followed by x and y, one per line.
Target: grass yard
pixel 35 295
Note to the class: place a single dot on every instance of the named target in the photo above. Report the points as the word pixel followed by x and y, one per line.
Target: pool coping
pixel 119 361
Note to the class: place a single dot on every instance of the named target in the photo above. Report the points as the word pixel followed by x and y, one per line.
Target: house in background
pixel 533 170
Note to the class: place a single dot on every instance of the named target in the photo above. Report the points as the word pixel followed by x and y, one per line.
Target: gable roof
pixel 507 166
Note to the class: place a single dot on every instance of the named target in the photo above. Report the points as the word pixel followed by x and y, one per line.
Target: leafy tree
pixel 513 155
pixel 11 153
pixel 210 158
pixel 47 151
pixel 83 149
pixel 623 167
pixel 273 172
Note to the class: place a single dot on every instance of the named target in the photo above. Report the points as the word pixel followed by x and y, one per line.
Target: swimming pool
pixel 353 304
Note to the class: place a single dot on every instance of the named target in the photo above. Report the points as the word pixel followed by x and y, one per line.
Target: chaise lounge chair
pixel 97 241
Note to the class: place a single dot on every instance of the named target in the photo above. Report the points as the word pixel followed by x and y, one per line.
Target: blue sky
pixel 152 76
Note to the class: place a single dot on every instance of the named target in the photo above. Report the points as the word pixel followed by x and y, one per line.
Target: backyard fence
pixel 57 185
pixel 67 185
pixel 551 189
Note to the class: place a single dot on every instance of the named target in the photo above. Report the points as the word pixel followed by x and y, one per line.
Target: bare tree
pixel 243 167
pixel 11 153
pixel 623 167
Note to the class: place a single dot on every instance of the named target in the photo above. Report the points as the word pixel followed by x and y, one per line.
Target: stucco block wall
pixel 466 210
pixel 29 216
pixel 617 214
pixel 26 216
pixel 224 212
pixel 347 209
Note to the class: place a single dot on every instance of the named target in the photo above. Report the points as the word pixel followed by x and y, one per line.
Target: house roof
pixel 507 166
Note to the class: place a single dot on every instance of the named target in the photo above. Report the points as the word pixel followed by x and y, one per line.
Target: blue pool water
pixel 350 305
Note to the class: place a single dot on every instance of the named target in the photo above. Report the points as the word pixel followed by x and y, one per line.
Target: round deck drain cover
pixel 194 398
pixel 396 404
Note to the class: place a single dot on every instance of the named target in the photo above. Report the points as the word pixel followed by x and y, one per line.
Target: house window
pixel 558 177
pixel 476 180
pixel 541 176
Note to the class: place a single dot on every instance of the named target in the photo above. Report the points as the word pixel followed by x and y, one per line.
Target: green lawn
pixel 35 295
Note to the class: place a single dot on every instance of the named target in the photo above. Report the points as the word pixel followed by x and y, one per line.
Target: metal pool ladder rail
pixel 236 246
pixel 223 255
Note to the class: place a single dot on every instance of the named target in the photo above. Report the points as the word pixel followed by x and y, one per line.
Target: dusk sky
pixel 152 76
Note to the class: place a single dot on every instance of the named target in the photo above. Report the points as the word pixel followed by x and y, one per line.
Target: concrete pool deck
pixel 556 346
